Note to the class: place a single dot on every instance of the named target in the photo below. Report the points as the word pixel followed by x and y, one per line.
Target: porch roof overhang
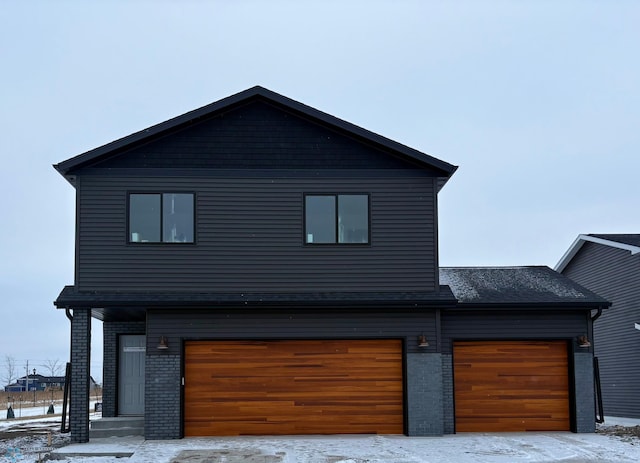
pixel 112 305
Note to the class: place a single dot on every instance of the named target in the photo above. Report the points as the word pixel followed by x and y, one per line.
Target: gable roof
pixel 512 287
pixel 66 168
pixel 628 242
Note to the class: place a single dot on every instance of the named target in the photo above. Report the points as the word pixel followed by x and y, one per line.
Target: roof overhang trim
pixel 579 242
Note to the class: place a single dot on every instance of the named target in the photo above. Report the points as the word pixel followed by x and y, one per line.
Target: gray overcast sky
pixel 538 102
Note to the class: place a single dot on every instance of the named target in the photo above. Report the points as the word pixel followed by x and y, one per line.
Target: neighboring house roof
pixel 43 379
pixel 66 168
pixel 628 242
pixel 512 287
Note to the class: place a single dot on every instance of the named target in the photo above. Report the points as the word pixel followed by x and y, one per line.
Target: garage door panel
pixel 506 425
pixel 293 387
pixel 511 386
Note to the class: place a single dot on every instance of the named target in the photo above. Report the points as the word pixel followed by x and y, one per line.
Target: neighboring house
pixel 261 267
pixel 38 382
pixel 610 265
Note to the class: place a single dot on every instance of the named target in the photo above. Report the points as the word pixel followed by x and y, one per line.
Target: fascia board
pixel 579 242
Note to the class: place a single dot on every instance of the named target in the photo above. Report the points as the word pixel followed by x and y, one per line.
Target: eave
pixel 581 240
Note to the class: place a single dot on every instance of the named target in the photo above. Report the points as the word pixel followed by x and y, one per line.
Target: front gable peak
pixel 207 118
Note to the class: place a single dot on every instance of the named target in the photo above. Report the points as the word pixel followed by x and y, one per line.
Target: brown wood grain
pixel 511 386
pixel 293 387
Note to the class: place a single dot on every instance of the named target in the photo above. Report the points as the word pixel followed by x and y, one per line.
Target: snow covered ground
pixel 460 448
pixel 545 447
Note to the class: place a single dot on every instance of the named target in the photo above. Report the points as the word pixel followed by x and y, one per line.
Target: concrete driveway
pixel 460 448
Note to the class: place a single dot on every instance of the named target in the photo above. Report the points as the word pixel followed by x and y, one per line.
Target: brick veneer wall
pixel 584 390
pixel 162 418
pixel 424 394
pixel 80 374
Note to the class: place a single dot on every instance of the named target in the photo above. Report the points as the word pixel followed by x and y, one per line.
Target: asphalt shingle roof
pixel 516 286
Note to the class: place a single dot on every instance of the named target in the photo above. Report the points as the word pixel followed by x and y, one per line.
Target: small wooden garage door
pixel 511 386
pixel 293 387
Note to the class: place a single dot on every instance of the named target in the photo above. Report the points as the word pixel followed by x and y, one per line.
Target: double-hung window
pixel 161 217
pixel 336 219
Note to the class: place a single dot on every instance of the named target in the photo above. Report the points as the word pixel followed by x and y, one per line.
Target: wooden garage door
pixel 293 387
pixel 511 386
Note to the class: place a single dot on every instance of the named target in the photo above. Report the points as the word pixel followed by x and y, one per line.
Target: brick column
pixel 80 374
pixel 585 395
pixel 424 395
pixel 162 397
pixel 447 394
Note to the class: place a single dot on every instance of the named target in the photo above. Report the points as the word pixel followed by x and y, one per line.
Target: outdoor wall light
pixel 583 341
pixel 422 341
pixel 162 345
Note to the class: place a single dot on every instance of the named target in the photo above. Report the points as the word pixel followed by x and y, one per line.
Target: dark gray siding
pixel 615 275
pixel 509 325
pixel 249 234
pixel 257 135
pixel 287 324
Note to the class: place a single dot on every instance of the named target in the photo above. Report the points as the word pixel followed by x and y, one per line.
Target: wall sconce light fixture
pixel 162 345
pixel 422 341
pixel 583 341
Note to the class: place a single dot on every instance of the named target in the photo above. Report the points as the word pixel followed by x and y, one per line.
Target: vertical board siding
pixel 614 274
pixel 249 237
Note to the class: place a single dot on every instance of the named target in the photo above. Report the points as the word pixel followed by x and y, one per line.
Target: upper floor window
pixel 161 217
pixel 337 219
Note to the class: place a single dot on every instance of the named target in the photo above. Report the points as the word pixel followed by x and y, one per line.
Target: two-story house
pixel 262 267
pixel 610 265
pixel 36 382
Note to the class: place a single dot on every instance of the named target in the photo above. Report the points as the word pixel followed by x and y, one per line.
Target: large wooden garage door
pixel 293 387
pixel 511 386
